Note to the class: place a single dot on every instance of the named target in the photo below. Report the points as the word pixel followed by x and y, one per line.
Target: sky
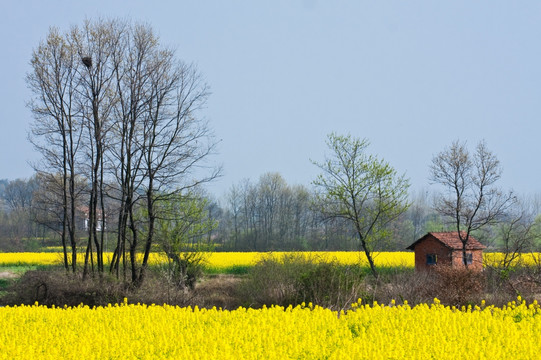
pixel 409 76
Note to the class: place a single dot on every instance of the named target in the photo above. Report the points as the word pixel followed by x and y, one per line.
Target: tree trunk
pixel 150 234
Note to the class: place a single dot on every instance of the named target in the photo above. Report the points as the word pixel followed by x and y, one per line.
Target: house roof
pixel 451 240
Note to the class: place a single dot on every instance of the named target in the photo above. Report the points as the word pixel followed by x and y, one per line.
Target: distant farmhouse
pixel 86 218
pixel 445 249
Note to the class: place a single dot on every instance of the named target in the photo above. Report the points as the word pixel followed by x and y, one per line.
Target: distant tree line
pixel 272 215
pixel 18 230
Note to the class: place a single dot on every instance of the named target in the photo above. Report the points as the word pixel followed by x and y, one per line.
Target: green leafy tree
pixel 361 188
pixel 182 223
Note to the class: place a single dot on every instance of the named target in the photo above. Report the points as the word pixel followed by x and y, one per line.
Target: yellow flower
pixel 129 331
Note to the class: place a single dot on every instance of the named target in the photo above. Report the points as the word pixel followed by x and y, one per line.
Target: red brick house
pixel 445 249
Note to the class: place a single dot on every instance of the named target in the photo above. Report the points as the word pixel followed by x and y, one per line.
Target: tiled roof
pixel 451 240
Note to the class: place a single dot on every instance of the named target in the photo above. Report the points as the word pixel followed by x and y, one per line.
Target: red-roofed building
pixel 445 249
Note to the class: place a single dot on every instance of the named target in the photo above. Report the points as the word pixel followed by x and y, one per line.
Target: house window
pixel 469 258
pixel 431 259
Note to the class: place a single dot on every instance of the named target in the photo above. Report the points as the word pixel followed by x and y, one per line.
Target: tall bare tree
pixel 471 199
pixel 56 130
pixel 94 44
pixel 176 141
pixel 133 90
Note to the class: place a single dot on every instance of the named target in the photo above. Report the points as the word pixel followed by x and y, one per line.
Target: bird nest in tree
pixel 87 60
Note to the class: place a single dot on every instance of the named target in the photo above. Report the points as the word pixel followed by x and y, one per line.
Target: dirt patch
pixel 220 291
pixel 8 275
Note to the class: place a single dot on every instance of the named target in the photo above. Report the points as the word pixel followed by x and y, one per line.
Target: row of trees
pixel 298 224
pixel 18 231
pixel 116 120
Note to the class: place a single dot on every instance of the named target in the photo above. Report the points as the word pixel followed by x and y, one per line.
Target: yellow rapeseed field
pixel 226 259
pixel 303 332
pixel 223 260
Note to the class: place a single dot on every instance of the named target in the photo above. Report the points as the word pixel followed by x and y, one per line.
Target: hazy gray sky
pixel 410 76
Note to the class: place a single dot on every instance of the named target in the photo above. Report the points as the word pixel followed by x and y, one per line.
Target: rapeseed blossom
pixel 224 260
pixel 373 331
pixel 228 259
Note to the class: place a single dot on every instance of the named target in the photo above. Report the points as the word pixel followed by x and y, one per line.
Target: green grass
pixel 208 270
pixel 18 270
pixel 230 270
pixel 21 268
pixel 383 271
pixel 4 283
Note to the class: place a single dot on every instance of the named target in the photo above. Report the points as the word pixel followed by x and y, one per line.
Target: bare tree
pixel 271 188
pixel 517 232
pixel 234 199
pixel 56 131
pixel 18 194
pixel 96 43
pixel 269 215
pixel 176 142
pixel 417 213
pixel 133 88
pixel 251 213
pixel 19 197
pixel 471 200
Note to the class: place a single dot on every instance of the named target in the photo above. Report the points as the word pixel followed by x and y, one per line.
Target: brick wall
pixel 431 246
pixel 445 256
pixel 477 259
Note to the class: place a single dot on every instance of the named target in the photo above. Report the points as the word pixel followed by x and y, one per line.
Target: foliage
pixel 290 279
pixel 362 189
pixel 182 222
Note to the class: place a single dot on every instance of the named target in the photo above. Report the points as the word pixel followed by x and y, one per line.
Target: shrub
pixel 185 269
pixel 504 284
pixel 454 287
pixel 458 286
pixel 293 279
pixel 56 287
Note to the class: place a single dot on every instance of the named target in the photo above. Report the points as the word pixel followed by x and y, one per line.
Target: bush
pixel 184 269
pixel 453 287
pixel 293 279
pixel 286 280
pixel 458 286
pixel 504 284
pixel 56 287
